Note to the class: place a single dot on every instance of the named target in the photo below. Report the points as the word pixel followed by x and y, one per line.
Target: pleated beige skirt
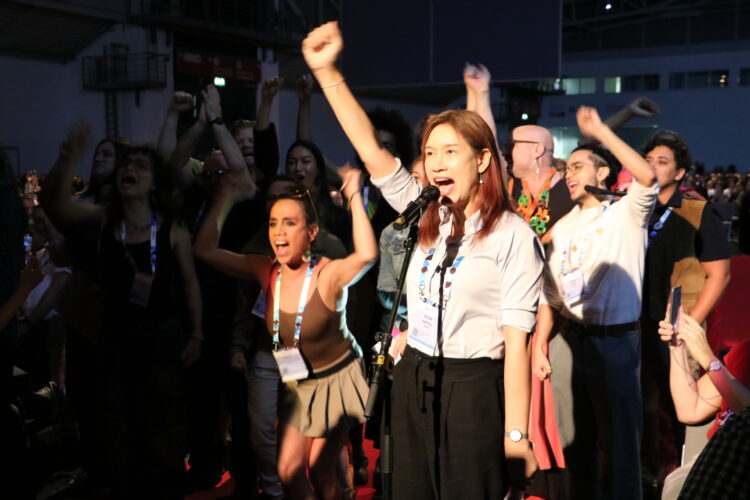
pixel 333 398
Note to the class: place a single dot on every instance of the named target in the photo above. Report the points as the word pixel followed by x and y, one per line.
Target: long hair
pixel 491 196
pixel 320 192
pixel 121 147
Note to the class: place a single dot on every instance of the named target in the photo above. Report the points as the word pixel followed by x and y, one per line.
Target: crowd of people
pixel 201 308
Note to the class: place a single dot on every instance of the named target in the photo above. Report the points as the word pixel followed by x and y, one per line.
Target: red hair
pixel 491 196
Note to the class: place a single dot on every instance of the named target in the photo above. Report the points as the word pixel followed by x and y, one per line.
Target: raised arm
pixel 642 107
pixel 344 272
pixel 321 49
pixel 592 126
pixel 185 148
pixel 181 101
pixel 65 212
pixel 235 186
pixel 225 141
pixel 697 401
pixel 304 122
pixel 268 91
pixel 477 80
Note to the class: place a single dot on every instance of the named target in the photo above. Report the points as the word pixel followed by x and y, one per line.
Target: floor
pixel 226 486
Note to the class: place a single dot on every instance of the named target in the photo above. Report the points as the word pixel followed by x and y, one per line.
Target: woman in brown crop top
pixel 324 404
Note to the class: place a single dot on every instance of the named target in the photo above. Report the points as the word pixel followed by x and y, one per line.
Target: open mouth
pixel 282 248
pixel 445 184
pixel 128 179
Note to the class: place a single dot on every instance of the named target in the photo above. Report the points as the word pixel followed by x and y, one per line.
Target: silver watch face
pixel 714 365
pixel 515 435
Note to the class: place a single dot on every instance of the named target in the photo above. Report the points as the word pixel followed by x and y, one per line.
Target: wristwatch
pixel 217 121
pixel 714 366
pixel 515 435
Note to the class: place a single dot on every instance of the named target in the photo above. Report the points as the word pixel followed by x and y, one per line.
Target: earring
pixel 307 256
pixel 536 169
pixel 481 181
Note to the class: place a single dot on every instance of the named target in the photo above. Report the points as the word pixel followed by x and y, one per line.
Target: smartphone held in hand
pixel 27 241
pixel 675 299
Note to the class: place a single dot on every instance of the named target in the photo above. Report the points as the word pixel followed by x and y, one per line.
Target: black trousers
pixel 448 426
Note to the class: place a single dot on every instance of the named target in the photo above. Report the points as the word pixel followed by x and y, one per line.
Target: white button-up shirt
pixel 608 243
pixel 496 284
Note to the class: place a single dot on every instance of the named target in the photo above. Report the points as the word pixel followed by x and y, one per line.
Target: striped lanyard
pixel 578 250
pixel 451 275
pixel 123 237
pixel 659 224
pixel 300 307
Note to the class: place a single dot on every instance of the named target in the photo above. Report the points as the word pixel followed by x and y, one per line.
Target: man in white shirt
pixel 594 283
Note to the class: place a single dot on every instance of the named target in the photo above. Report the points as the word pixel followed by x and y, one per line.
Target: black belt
pixel 603 330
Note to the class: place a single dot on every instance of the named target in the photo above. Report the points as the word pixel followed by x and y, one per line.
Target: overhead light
pixel 219 81
pixel 608 6
pixel 525 116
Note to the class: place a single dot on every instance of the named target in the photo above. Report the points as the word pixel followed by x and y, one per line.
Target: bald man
pixel 535 185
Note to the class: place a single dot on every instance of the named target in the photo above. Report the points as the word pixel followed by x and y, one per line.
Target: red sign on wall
pixel 209 65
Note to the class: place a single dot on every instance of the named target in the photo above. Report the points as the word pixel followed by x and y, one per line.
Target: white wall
pixel 714 121
pixel 41 99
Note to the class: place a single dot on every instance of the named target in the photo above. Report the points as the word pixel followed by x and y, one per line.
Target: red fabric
pixel 624 178
pixel 543 424
pixel 737 362
pixel 727 324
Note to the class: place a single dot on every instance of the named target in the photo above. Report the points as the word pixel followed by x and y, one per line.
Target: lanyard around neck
pixel 447 285
pixel 659 224
pixel 300 307
pixel 123 237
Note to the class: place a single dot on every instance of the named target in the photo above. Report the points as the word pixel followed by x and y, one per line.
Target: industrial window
pixel 579 85
pixel 630 83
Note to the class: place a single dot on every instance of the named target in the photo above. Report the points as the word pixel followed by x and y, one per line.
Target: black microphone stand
pixel 378 384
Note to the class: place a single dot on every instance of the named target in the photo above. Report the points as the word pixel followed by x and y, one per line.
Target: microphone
pixel 603 192
pixel 407 217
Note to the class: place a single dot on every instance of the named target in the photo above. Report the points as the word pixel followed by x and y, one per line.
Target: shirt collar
pixel 472 225
pixel 676 199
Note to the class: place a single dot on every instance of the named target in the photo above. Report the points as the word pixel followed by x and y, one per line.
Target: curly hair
pixel 676 143
pixel 163 200
pixel 394 122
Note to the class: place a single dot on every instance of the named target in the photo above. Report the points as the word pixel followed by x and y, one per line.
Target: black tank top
pixel 118 273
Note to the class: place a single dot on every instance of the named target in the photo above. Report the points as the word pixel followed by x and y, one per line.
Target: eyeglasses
pixel 577 166
pixel 513 142
pixel 572 169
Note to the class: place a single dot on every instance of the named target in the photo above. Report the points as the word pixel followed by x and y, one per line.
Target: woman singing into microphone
pixel 461 391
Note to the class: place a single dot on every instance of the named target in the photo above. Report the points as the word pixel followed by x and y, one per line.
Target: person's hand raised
pixel 181 101
pixel 271 87
pixel 351 180
pixel 304 87
pixel 644 107
pixel 477 78
pixel 589 122
pixel 212 101
pixel 322 46
pixel 77 138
